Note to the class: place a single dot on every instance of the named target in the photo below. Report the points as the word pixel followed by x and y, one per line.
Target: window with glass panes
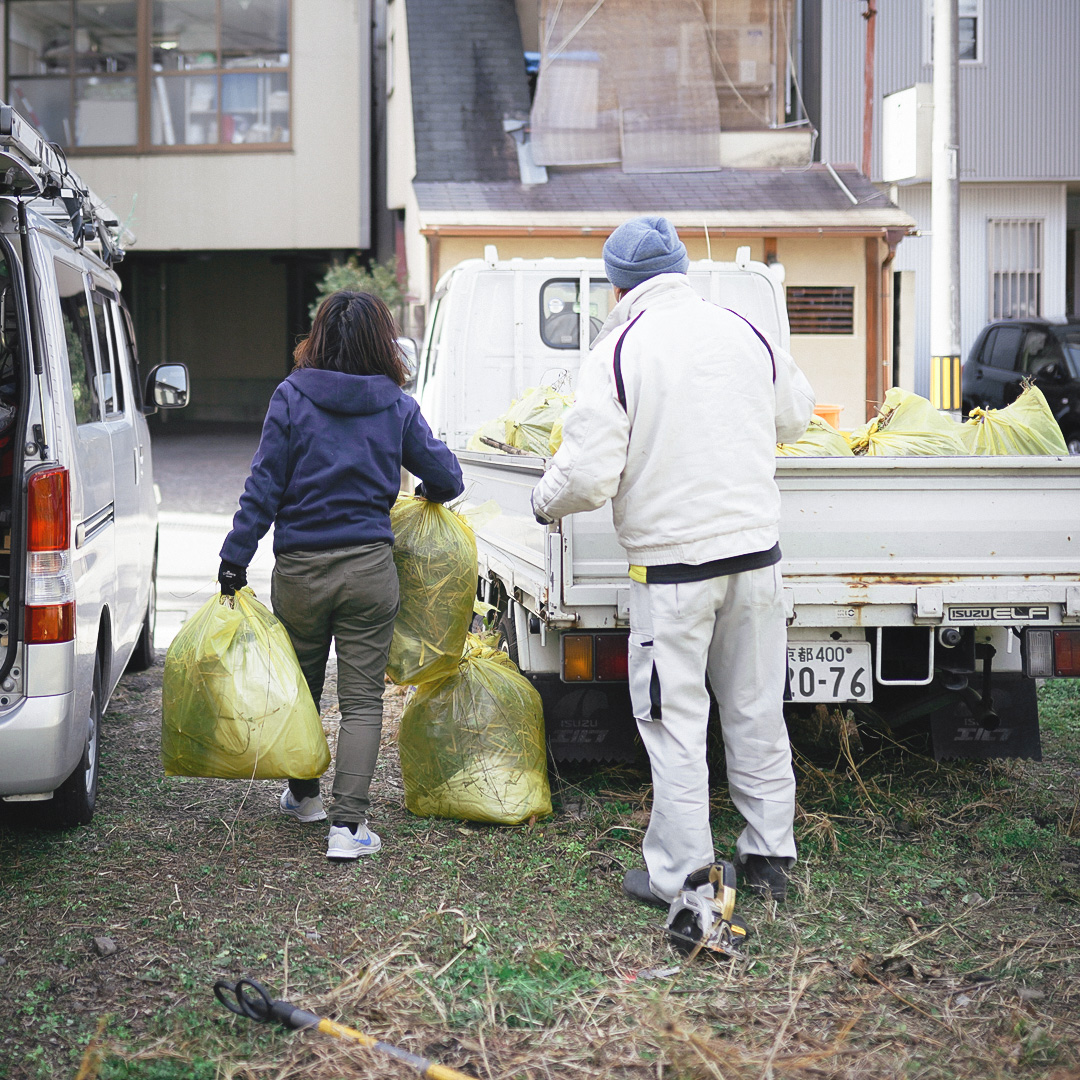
pixel 969 31
pixel 151 75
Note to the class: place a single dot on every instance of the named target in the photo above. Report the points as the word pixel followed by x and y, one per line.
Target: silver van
pixel 78 513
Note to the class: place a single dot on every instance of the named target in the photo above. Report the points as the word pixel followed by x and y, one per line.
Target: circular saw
pixel 703 915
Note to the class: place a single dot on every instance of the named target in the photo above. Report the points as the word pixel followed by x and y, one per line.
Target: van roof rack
pixel 33 168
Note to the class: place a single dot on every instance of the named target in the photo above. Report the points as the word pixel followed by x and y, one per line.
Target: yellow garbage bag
pixel 528 422
pixel 493 429
pixel 556 436
pixel 435 555
pixel 1027 426
pixel 472 746
pixel 235 703
pixel 908 426
pixel 821 440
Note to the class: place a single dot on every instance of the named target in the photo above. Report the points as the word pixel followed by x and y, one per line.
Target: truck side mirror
pixel 167 386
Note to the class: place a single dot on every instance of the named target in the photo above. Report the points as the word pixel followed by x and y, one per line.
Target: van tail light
pixel 50 587
pixel 48 511
pixel 1047 653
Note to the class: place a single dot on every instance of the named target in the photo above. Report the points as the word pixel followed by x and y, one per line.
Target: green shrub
pixel 380 279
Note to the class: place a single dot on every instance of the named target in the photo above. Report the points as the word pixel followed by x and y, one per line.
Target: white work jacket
pixel 688 456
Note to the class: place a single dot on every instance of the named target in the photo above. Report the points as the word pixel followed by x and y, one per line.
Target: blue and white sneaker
pixel 343 843
pixel 310 809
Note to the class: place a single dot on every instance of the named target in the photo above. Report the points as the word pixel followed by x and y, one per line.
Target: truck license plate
pixel 829 671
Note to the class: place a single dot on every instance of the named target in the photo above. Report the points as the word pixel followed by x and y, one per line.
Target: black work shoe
pixel 636 884
pixel 767 875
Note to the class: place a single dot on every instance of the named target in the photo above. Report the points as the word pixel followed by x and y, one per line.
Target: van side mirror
pixel 167 386
pixel 410 355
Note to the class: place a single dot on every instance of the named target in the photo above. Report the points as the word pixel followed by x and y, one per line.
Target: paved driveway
pixel 200 471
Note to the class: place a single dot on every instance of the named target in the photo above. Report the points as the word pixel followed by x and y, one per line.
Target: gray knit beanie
pixel 640 249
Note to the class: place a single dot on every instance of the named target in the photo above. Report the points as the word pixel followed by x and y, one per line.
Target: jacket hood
pixel 354 395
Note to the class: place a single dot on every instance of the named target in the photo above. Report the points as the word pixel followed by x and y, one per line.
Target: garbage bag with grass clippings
pixel 234 702
pixel 821 440
pixel 472 746
pixel 530 419
pixel 908 426
pixel 435 556
pixel 1027 426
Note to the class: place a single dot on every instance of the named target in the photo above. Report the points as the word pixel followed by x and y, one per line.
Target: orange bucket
pixel 829 413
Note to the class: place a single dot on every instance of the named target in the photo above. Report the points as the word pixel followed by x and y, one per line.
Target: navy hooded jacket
pixel 328 467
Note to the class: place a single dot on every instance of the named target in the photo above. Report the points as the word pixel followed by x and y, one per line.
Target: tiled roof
pixel 468 74
pixel 582 190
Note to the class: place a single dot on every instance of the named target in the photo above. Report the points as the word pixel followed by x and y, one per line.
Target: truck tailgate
pixel 862 534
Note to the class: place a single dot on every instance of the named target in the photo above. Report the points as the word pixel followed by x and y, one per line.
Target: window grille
pixel 821 309
pixel 1015 265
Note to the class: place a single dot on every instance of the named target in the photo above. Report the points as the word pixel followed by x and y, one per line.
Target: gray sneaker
pixel 310 809
pixel 343 843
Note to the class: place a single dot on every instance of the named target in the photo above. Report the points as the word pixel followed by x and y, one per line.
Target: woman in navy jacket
pixel 327 471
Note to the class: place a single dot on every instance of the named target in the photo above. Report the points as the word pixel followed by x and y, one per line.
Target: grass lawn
pixel 934 931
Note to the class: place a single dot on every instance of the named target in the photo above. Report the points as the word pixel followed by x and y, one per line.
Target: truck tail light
pixel 1047 653
pixel 50 587
pixel 1037 650
pixel 611 658
pixel 594 657
pixel 1067 652
pixel 577 657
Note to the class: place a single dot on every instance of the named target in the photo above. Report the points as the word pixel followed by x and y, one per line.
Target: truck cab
pixel 518 323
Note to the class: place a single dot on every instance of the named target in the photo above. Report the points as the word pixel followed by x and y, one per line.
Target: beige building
pixel 232 137
pixel 481 150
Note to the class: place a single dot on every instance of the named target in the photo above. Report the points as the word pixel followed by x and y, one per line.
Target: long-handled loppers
pixel 249 998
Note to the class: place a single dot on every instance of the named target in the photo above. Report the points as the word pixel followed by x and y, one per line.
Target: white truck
pixel 918 589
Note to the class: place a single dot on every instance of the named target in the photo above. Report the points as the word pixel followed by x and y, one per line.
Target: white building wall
pixel 400 145
pixel 978 204
pixel 316 195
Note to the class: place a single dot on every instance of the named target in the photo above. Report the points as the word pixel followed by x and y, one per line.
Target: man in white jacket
pixel 679 407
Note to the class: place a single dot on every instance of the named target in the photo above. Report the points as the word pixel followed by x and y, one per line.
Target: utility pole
pixel 945 214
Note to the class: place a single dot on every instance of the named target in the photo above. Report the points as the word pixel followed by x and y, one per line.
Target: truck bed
pixel 866 541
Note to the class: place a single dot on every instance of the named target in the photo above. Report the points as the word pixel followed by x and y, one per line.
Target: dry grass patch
pixel 933 931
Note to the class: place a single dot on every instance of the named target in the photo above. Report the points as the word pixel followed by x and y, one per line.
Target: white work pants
pixel 731 628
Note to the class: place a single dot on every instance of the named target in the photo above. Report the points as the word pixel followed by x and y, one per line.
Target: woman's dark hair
pixel 353 332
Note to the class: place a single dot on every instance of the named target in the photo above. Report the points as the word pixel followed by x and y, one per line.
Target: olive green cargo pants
pixel 349 595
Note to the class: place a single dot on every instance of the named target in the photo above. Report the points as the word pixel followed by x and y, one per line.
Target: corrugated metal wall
pixel 1019 108
pixel 978 204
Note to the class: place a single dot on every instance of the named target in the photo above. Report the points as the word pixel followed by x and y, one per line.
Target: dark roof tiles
pixel 468 73
pixel 611 189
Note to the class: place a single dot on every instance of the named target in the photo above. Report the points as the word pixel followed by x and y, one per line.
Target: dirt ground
pixel 932 933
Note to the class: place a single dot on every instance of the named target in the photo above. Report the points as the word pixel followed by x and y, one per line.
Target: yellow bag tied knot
pixel 235 703
pixel 1027 426
pixel 472 746
pixel 908 426
pixel 435 556
pixel 821 440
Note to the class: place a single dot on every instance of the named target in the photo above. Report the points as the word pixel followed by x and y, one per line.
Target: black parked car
pixel 1047 351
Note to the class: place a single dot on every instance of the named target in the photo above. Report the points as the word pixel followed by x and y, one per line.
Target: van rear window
pixel 560 310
